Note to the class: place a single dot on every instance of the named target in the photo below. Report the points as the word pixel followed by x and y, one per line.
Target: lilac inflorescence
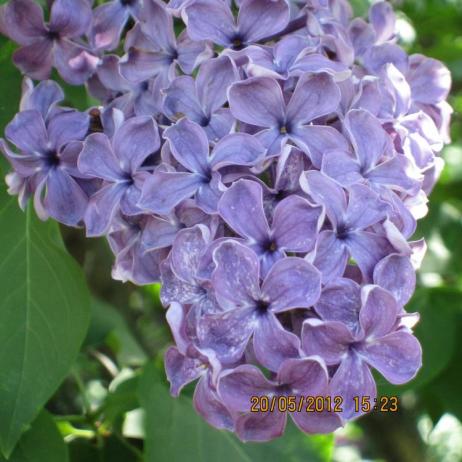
pixel 266 162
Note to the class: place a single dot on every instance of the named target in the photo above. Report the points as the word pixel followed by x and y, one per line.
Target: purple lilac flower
pixel 54 44
pixel 299 377
pixel 259 101
pixel 118 163
pixel 267 168
pixel 350 219
pixel 374 339
pixel 153 49
pixel 109 19
pixel 190 147
pixel 295 222
pixel 250 308
pixel 47 140
pixel 257 19
pixel 201 99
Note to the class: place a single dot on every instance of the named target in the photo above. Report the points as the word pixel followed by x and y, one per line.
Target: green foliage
pixel 44 304
pixel 174 431
pixel 40 443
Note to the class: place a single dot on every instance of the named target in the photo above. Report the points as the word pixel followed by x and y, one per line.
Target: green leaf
pixel 108 326
pixel 44 315
pixel 41 443
pixel 174 431
pixel 10 84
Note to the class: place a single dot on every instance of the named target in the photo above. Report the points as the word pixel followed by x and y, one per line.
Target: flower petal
pixel 241 207
pixel 314 96
pixel 258 19
pixel 236 276
pixel 379 312
pixel 273 344
pixel 134 141
pixel 65 201
pixel 292 283
pixel 397 356
pixel 396 274
pixel 98 160
pixel 296 224
pixel 189 145
pixel 165 190
pixel 353 379
pixel 329 340
pixel 257 101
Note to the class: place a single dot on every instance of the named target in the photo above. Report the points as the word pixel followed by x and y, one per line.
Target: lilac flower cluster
pixel 266 161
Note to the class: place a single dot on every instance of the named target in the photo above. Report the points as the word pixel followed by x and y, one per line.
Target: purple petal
pixel 341 167
pixel 67 126
pixel 430 80
pixel 134 141
pixel 237 386
pixel 379 312
pixel 316 140
pixel 316 63
pixel 397 173
pixel 352 379
pixel 262 18
pixel 22 21
pixel 241 206
pixel 261 427
pixel 64 20
pixel 257 101
pixel 189 145
pixel 208 405
pixel 314 96
pixel 158 25
pixel 36 59
pixel 330 340
pixel 214 77
pixel 296 224
pixel 188 248
pixel 140 65
pixel 365 208
pixel 369 139
pixel 237 149
pixel 382 17
pixel 65 201
pixel 331 256
pixel 220 124
pixel 101 209
pixel 236 276
pixel 340 301
pixel 368 249
pixel 178 290
pixel 397 356
pixel 181 370
pixel 326 192
pixel 42 98
pixel 227 334
pixel 192 53
pixel 98 160
pixel 209 194
pixel 181 100
pixel 210 21
pixel 74 63
pixel 292 283
pixel 396 274
pixel 273 344
pixel 165 190
pixel 108 22
pixel 28 132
